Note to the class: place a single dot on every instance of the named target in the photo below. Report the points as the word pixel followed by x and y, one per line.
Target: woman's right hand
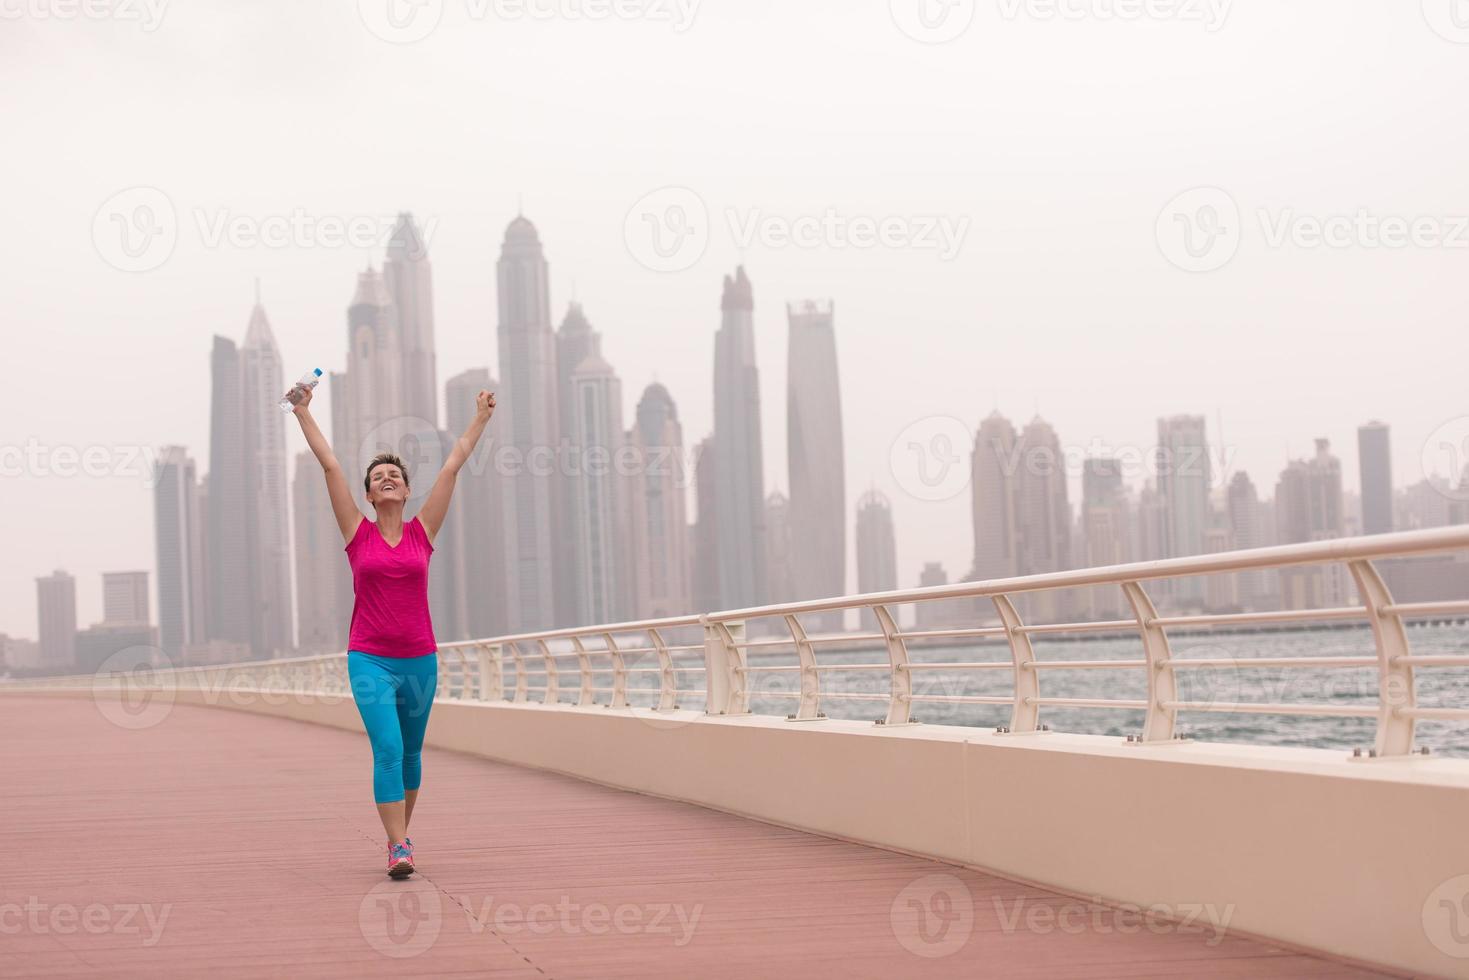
pixel 303 398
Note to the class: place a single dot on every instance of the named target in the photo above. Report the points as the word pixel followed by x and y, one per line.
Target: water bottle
pixel 308 380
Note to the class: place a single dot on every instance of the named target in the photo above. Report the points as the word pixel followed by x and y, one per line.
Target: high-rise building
pixel 410 282
pixel 704 536
pixel 370 413
pixel 1221 591
pixel 1106 531
pixel 56 614
pixel 1183 484
pixel 778 583
pixel 227 539
pixel 1246 530
pixel 125 599
pixel 598 529
pixel 658 525
pixel 575 342
pixel 529 427
pixel 1042 516
pixel 816 461
pixel 1308 507
pixel 474 529
pixel 1374 452
pixel 321 624
pixel 992 487
pixel 178 523
pixel 877 550
pixel 738 448
pixel 939 614
pixel 267 506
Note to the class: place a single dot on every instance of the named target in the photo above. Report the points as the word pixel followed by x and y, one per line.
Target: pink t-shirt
pixel 390 616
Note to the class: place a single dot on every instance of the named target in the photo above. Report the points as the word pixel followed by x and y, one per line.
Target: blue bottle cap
pixel 318 372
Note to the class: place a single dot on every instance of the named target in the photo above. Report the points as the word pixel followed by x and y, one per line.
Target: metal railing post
pixel 522 683
pixel 585 696
pixel 809 706
pixel 552 693
pixel 667 679
pixel 724 669
pixel 619 674
pixel 1024 712
pixel 900 705
pixel 1396 685
pixel 491 685
pixel 1160 721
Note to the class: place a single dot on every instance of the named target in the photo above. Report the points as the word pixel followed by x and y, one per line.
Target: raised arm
pixel 437 505
pixel 343 506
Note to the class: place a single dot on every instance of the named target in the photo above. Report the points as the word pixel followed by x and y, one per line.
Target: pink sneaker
pixel 400 860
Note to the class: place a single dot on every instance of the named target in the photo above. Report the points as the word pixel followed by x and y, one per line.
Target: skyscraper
pixel 738 449
pixel 474 527
pixel 602 563
pixel 779 586
pixel 1183 485
pixel 1374 453
pixel 704 572
pixel 1246 531
pixel 370 412
pixel 1106 531
pixel 992 487
pixel 267 504
pixel 529 426
pixel 816 461
pixel 56 616
pixel 658 525
pixel 179 540
pixel 226 543
pixel 1042 515
pixel 575 342
pixel 321 624
pixel 1308 507
pixel 409 279
pixel 877 550
pixel 125 599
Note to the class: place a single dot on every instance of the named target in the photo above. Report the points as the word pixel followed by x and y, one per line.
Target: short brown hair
pixel 379 460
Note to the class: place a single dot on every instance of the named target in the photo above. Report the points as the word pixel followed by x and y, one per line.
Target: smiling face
pixel 386 481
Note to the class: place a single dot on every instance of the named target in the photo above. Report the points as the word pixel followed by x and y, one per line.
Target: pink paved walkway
pixel 218 843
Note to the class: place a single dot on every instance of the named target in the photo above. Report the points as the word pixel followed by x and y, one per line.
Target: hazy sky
pixel 1056 142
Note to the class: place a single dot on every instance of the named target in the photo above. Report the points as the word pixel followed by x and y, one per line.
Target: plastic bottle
pixel 308 380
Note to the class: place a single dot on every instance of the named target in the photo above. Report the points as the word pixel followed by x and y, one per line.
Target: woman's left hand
pixel 485 403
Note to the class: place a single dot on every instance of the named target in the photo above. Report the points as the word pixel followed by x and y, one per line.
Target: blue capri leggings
pixel 394 696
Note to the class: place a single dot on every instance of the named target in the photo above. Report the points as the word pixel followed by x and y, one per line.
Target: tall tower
pixel 1183 485
pixel 321 623
pixel 1105 528
pixel 1308 507
pixel 992 487
pixel 877 550
pixel 530 428
pixel 179 539
pixel 230 579
pixel 267 506
pixel 738 449
pixel 816 461
pixel 410 282
pixel 56 617
pixel 779 586
pixel 369 411
pixel 1374 452
pixel 125 599
pixel 598 527
pixel 704 561
pixel 575 342
pixel 475 524
pixel 1042 513
pixel 1246 531
pixel 657 523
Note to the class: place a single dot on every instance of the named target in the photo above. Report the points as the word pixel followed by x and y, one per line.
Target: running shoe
pixel 400 860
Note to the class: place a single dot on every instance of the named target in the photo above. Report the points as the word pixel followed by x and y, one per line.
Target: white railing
pixel 554 664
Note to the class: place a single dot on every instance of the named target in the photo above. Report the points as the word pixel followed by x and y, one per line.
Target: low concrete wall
pixel 1304 847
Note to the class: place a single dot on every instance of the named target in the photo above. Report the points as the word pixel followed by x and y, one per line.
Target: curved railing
pixel 592 664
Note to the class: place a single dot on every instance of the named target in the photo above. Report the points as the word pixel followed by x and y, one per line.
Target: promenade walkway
pixel 219 844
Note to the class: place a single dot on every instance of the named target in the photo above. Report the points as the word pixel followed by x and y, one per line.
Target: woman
pixel 392 658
